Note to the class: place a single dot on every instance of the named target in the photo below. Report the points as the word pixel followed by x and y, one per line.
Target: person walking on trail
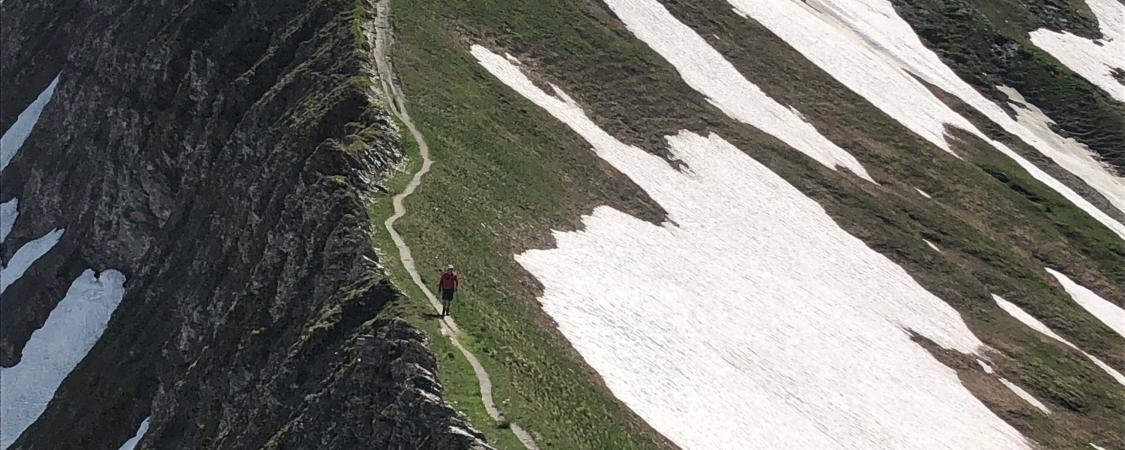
pixel 448 286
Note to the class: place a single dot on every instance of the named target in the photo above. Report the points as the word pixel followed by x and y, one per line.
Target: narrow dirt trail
pixel 398 108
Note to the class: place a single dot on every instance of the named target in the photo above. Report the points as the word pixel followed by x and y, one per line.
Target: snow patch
pixel 1033 323
pixel 924 193
pixel 987 368
pixel 1026 396
pixel 857 60
pixel 55 349
pixel 867 47
pixel 1068 153
pixel 745 327
pixel 1095 446
pixel 1110 314
pixel 705 70
pixel 13 139
pixel 1094 60
pixel 931 244
pixel 25 256
pixel 136 439
pixel 461 431
pixel 9 211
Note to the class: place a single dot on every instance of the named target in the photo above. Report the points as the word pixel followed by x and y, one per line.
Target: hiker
pixel 448 286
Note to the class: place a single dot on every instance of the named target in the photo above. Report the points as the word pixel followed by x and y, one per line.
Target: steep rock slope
pixel 216 153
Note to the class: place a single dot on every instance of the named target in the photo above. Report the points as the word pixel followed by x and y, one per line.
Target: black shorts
pixel 447 294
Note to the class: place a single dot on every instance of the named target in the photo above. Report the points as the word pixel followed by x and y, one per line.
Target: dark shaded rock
pixel 217 152
pixel 394 355
pixel 1119 74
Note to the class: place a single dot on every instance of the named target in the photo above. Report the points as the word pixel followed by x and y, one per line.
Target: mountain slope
pixel 505 176
pixel 697 224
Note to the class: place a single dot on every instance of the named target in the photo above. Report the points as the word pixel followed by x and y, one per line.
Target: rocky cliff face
pixel 217 153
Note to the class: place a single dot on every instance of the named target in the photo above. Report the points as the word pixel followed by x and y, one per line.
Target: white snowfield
pixel 1026 396
pixel 1110 314
pixel 1068 153
pixel 55 349
pixel 1092 59
pixel 9 210
pixel 1033 323
pixel 761 326
pixel 25 256
pixel 136 439
pixel 14 137
pixel 867 47
pixel 705 70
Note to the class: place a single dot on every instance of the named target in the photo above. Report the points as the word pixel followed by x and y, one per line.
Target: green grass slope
pixel 986 42
pixel 506 174
pixel 480 204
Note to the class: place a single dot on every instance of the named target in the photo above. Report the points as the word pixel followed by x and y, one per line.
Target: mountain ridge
pixel 234 159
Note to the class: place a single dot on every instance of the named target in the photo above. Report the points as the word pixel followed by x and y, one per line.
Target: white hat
pixel 449 267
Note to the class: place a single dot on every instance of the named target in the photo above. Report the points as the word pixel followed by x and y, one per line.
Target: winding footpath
pixel 449 327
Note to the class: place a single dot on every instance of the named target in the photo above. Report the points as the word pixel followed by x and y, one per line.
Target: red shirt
pixel 448 281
